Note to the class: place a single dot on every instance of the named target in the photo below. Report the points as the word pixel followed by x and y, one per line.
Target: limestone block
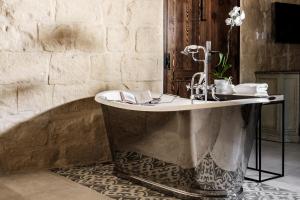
pixel 89 38
pixel 62 37
pixel 28 159
pixel 153 86
pixel 6 12
pixel 106 67
pixel 83 153
pixel 44 157
pixel 35 97
pixel 67 93
pixel 32 132
pixel 82 129
pixel 114 86
pixel 30 10
pixel 144 12
pixel 18 38
pixel 1 151
pixel 69 68
pixel 10 120
pixel 76 127
pixel 82 106
pixel 149 40
pixel 98 86
pixel 8 99
pixel 56 37
pixel 24 68
pixel 119 39
pixel 78 11
pixel 94 87
pixel 113 12
pixel 140 68
pixel 16 162
pixel 31 135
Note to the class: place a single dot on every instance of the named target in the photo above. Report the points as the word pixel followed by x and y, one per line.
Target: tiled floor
pixel 101 178
pixel 271 161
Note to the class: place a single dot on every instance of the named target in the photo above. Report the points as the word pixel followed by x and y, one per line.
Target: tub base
pixel 173 180
pixel 209 195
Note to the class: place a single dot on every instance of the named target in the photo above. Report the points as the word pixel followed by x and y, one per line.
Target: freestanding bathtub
pixel 192 151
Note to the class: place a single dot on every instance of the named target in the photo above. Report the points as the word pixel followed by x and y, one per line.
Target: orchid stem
pixel 228 43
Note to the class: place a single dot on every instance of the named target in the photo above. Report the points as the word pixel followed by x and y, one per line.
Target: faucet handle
pixel 214 52
pixel 188 87
pixel 213 92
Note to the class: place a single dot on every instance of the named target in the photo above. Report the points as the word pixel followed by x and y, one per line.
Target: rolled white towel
pixel 257 89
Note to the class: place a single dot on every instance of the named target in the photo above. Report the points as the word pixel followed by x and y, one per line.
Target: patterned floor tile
pixel 100 178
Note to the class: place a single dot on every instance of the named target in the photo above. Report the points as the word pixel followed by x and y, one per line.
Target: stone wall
pixel 258 51
pixel 55 55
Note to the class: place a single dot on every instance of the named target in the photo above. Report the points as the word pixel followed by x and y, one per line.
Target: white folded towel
pixel 255 89
pixel 136 97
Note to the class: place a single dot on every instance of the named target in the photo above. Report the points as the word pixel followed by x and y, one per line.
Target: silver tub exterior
pixel 190 154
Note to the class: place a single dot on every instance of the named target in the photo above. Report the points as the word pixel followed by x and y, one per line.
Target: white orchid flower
pixel 238 21
pixel 243 15
pixel 236 17
pixel 235 11
pixel 229 21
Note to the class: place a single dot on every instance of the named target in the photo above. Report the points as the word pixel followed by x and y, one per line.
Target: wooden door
pixel 195 22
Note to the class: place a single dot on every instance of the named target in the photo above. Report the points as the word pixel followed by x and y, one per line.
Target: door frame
pixel 166 60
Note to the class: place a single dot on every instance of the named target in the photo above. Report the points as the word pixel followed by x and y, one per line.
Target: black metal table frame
pixel 258 144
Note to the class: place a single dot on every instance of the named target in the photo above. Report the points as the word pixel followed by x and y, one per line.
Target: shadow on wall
pixel 67 37
pixel 71 134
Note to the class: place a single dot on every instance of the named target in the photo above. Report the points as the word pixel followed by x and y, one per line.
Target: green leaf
pixel 221 57
pixel 222 67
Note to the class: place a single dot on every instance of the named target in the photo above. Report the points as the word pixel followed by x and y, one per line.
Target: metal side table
pixel 279 99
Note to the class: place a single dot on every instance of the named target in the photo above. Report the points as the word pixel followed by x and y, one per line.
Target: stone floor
pixel 49 186
pixel 271 161
pixel 44 186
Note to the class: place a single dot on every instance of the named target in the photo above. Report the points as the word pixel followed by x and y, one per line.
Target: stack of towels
pixel 252 89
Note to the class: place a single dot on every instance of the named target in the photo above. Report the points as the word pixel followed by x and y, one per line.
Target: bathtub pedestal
pixel 175 192
pixel 190 154
pixel 168 178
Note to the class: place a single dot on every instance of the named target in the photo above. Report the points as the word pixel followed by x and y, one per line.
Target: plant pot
pixel 223 86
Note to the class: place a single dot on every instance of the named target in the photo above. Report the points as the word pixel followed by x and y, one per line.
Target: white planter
pixel 223 86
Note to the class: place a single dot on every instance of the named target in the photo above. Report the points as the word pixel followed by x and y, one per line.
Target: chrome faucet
pixel 202 84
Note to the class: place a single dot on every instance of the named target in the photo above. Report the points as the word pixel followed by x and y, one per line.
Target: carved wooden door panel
pixel 194 22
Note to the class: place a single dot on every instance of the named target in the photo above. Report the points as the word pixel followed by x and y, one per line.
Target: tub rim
pixel 179 104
